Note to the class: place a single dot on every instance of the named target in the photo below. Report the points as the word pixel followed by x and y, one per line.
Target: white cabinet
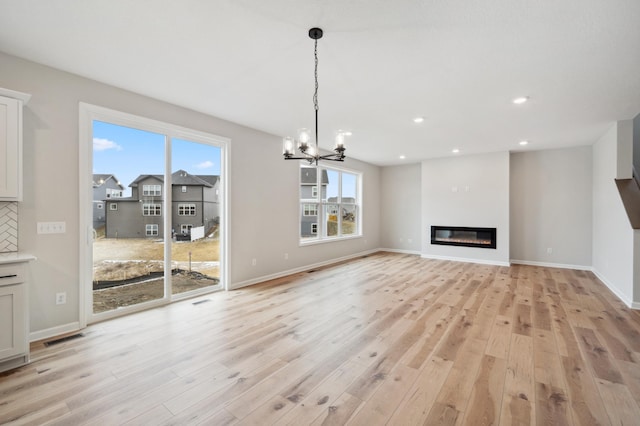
pixel 14 330
pixel 11 103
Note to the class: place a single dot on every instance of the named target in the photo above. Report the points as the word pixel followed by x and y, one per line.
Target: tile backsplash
pixel 8 226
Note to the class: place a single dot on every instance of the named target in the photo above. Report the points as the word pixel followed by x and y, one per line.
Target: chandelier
pixel 307 150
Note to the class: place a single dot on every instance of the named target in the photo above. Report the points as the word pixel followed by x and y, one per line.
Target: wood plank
pixel 417 403
pixel 486 396
pixel 522 320
pixel 518 403
pixel 338 413
pixel 587 407
pixel 382 404
pixel 626 411
pixel 597 356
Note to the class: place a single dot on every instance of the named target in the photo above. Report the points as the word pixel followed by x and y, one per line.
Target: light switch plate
pixel 52 227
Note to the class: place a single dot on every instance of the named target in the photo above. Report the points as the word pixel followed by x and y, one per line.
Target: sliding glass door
pixel 155 199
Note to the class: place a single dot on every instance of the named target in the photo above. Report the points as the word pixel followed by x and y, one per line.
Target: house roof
pixel 182 178
pixel 309 176
pixel 99 179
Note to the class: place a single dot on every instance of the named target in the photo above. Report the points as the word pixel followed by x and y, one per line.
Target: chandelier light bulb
pixel 288 146
pixel 339 140
pixel 304 136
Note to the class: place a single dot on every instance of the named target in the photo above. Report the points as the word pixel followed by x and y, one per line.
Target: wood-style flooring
pixel 385 339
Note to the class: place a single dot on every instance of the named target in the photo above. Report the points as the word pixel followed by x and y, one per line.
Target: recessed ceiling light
pixel 402 157
pixel 520 100
pixel 455 150
pixel 418 119
pixel 347 133
pixel 523 143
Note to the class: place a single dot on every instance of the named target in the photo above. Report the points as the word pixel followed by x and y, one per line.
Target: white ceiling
pixel 458 63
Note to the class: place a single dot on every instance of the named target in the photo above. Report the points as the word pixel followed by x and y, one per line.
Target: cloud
pixel 204 165
pixel 100 144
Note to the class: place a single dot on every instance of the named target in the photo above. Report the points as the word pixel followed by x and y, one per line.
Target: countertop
pixel 16 257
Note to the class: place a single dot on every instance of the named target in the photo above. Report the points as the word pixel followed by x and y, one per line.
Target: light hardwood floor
pixel 386 339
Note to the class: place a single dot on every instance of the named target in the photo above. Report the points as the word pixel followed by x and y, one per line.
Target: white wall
pixel 401 205
pixel 551 207
pixel 263 188
pixel 468 190
pixel 613 238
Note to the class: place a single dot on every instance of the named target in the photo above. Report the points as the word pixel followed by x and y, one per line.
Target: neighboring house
pixel 195 202
pixel 105 187
pixel 309 191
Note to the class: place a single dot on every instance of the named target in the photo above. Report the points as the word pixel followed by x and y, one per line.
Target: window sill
pixel 328 240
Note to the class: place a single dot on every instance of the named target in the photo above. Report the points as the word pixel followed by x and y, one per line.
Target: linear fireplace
pixel 463 236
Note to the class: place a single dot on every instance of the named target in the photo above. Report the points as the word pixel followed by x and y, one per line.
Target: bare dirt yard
pixel 129 271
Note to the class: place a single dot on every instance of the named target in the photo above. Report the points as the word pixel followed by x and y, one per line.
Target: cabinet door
pixel 10 149
pixel 12 321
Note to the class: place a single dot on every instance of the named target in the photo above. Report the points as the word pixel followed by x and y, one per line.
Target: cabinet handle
pixel 8 276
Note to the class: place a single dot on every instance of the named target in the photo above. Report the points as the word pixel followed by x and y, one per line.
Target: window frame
pixel 187 209
pixel 147 209
pixel 338 205
pixel 149 227
pixel 151 190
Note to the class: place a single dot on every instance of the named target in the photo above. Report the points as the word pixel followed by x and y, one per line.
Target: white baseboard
pixel 551 265
pixel 630 303
pixel 54 331
pixel 235 286
pixel 416 252
pixel 464 259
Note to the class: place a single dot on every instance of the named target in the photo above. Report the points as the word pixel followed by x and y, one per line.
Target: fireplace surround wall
pixel 464 236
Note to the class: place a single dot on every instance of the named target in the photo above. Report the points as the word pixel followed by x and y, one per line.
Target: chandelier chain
pixel 315 94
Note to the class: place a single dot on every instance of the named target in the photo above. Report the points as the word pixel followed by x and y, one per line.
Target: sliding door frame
pixel 88 114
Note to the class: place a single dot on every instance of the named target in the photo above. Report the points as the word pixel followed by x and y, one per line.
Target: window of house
pixel 186 228
pixel 184 188
pixel 114 193
pixel 151 230
pixel 151 209
pixel 113 206
pixel 152 190
pixel 310 210
pixel 330 203
pixel 186 209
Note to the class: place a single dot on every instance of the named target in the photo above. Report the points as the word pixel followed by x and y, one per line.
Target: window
pixel 310 210
pixel 114 193
pixel 186 209
pixel 151 209
pixel 151 230
pixel 185 229
pixel 184 188
pixel 152 190
pixel 336 208
pixel 113 206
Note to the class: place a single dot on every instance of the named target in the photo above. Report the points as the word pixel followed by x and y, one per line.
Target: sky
pixel 127 153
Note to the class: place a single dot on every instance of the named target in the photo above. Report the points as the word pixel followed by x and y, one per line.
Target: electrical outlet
pixel 61 298
pixel 254 262
pixel 286 256
pixel 549 250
